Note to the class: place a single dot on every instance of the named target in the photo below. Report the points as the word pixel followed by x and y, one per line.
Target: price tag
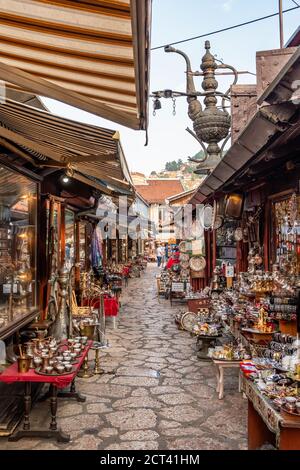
pixel 6 288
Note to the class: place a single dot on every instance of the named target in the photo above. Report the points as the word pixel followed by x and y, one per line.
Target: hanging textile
pixel 96 254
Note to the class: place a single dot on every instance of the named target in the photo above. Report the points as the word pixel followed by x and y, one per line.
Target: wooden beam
pixel 48 89
pixel 20 153
pixel 93 184
pixel 111 157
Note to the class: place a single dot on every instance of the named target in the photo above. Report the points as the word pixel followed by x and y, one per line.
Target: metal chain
pixel 174 106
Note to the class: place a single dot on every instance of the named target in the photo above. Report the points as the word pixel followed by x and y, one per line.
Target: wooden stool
pixel 220 366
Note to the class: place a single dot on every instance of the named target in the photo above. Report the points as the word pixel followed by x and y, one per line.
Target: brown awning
pixel 54 141
pixel 92 54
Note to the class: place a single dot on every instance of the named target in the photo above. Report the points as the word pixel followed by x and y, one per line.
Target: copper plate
pixel 184 257
pixel 188 320
pixel 238 234
pixel 184 264
pixel 182 247
pixel 197 263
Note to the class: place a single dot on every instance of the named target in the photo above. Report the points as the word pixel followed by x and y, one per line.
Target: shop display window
pixel 18 200
pixel 226 243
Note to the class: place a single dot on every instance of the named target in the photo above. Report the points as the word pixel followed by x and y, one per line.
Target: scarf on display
pixel 96 248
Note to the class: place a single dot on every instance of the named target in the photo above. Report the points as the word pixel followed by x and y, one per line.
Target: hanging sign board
pixel 177 287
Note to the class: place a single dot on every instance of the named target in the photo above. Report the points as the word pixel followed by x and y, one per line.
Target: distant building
pixel 156 192
pixel 138 178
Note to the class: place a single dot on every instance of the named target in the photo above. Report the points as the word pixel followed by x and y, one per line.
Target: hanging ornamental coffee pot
pixel 211 122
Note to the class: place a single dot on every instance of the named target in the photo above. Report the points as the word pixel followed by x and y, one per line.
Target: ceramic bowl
pixel 68 367
pixel 60 368
pixel 37 361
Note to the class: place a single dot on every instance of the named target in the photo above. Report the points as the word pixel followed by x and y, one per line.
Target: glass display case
pixel 18 201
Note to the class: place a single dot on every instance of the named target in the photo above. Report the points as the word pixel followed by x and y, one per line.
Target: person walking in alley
pixel 163 257
pixel 159 255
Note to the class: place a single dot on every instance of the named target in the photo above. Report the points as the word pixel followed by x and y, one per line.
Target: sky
pixel 173 20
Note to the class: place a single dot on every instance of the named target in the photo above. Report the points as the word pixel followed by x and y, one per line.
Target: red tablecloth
pixel 11 374
pixel 111 306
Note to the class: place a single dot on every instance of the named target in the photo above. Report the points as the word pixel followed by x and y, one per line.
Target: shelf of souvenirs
pixel 258 316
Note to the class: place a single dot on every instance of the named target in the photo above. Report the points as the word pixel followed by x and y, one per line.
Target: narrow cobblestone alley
pixel 155 393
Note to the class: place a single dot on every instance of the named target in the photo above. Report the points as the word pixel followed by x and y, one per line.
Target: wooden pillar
pixel 214 250
pixel 62 234
pixel 42 256
pixel 267 234
pixel 77 255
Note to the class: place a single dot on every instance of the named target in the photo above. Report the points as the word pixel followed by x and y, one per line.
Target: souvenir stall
pixel 51 259
pixel 253 273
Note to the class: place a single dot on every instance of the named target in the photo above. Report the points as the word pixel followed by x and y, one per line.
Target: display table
pixel 220 366
pixel 11 375
pixel 266 424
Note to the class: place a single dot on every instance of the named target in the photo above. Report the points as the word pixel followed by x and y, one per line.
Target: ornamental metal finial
pixel 211 124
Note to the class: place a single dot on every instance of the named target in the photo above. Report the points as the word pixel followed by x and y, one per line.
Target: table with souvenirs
pixel 55 364
pixel 273 411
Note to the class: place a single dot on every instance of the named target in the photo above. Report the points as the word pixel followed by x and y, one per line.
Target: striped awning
pixel 52 141
pixel 91 54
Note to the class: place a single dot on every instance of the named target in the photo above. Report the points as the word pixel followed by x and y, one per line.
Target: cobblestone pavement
pixel 155 393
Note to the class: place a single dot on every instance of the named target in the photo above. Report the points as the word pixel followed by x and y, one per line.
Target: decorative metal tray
pixel 197 263
pixel 54 373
